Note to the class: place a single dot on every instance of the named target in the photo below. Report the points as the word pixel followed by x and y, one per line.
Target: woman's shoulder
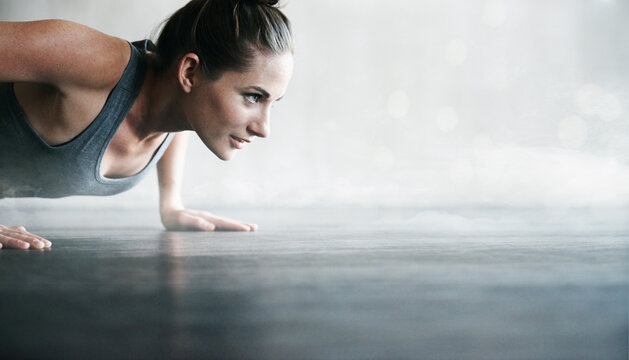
pixel 63 73
pixel 64 54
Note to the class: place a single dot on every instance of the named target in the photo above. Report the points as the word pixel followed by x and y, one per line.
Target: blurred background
pixel 518 103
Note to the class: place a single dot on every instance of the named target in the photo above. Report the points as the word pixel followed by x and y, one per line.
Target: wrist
pixel 168 205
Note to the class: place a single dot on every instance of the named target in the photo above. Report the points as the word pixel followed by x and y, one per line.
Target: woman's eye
pixel 252 98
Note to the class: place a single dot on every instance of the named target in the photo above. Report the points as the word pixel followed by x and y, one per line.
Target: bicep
pixel 60 53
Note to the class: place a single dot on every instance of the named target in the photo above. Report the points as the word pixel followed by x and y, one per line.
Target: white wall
pixel 421 103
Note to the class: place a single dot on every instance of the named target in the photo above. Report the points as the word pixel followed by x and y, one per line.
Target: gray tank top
pixel 29 167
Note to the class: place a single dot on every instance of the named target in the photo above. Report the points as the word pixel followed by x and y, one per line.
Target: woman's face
pixel 230 112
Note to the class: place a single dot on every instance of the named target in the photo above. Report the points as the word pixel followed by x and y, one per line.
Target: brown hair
pixel 225 34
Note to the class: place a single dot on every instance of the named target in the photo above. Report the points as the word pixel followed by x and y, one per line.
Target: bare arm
pixel 71 58
pixel 170 173
pixel 174 215
pixel 61 53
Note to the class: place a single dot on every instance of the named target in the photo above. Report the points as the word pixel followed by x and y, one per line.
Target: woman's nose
pixel 261 127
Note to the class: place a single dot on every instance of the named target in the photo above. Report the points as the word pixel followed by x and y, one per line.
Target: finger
pixel 46 243
pixel 11 242
pixel 22 229
pixel 192 222
pixel 227 224
pixel 33 240
pixel 254 227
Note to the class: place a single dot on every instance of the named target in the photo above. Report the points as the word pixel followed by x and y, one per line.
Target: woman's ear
pixel 189 72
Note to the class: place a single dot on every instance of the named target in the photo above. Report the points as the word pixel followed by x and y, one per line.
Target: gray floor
pixel 324 284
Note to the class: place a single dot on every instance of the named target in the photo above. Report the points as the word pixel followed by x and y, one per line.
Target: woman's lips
pixel 237 142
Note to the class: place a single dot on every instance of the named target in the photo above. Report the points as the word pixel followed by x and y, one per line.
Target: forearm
pixel 170 173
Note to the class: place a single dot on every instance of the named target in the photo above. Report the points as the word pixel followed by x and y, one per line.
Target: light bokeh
pixel 416 103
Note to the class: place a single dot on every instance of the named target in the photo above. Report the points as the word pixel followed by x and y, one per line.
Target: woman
pixel 83 113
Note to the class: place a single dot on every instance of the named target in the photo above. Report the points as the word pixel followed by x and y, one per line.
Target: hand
pixel 17 237
pixel 184 219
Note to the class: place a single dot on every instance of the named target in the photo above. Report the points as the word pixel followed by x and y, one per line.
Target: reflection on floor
pixel 323 285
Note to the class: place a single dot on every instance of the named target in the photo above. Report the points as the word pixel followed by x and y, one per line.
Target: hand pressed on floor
pixel 184 219
pixel 16 237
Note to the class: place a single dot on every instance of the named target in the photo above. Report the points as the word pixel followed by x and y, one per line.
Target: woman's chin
pixel 226 154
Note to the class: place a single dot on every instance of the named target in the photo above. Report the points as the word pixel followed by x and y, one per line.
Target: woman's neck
pixel 155 110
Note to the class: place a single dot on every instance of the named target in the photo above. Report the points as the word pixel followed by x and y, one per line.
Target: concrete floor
pixel 323 285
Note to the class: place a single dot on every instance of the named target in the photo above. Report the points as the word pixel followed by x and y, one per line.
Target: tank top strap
pixel 125 93
pixel 120 100
pixel 144 46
